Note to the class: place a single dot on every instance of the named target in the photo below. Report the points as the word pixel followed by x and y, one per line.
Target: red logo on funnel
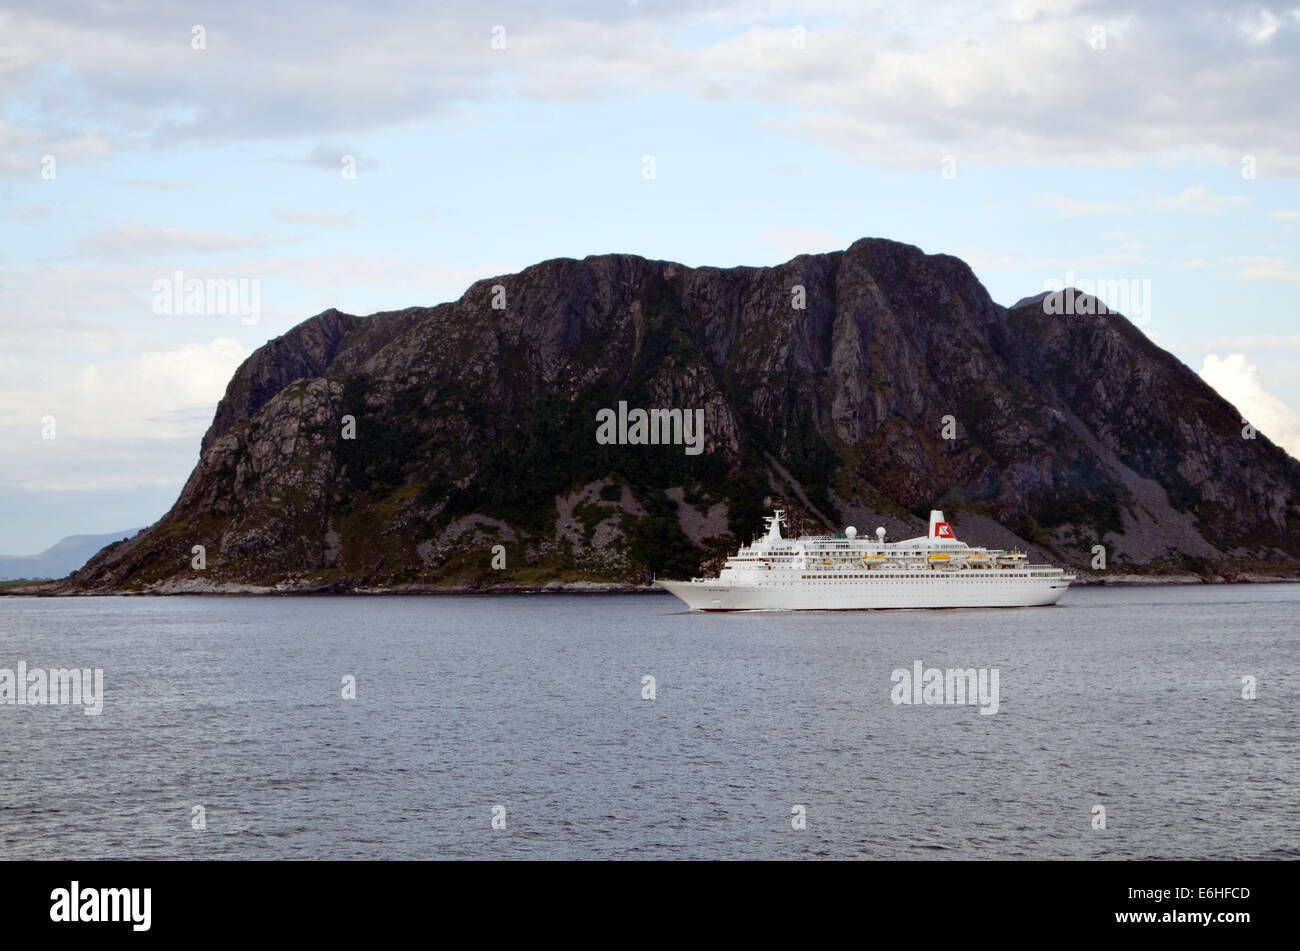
pixel 943 530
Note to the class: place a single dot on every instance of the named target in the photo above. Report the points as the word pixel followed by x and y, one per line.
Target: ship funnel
pixel 939 529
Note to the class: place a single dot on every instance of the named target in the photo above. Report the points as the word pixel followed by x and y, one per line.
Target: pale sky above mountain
pixel 1042 142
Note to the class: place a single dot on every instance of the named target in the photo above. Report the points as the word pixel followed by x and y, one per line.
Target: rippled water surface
pixel 1125 698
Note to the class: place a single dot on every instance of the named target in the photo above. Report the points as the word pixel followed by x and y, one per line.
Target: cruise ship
pixel 844 573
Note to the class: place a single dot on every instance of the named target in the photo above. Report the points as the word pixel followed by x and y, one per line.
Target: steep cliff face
pixel 861 386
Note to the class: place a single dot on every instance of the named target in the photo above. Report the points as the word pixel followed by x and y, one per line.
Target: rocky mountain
pixel 430 446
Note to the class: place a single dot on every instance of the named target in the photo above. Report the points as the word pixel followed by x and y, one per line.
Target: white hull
pixel 930 589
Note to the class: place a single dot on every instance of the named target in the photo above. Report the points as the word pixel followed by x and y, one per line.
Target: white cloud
pixel 194 375
pixel 1237 381
pixel 892 85
pixel 1255 342
pixel 118 424
pixel 1058 268
pixel 320 219
pixel 22 151
pixel 132 240
pixel 333 158
pixel 140 397
pixel 154 185
pixel 1260 25
pixel 1285 215
pixel 1260 268
pixel 893 88
pixel 330 272
pixel 796 241
pixel 1198 198
pixel 1070 207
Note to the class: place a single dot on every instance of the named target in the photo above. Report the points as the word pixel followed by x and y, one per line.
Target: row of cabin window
pixel 909 576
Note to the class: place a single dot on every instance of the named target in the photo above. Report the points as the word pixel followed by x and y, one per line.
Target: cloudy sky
pixel 382 155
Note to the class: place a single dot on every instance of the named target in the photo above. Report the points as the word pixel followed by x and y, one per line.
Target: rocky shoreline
pixel 172 587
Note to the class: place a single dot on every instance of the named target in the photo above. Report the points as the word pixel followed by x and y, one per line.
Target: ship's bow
pixel 693 595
